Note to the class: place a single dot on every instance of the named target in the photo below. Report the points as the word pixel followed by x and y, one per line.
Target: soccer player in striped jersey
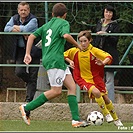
pixel 88 71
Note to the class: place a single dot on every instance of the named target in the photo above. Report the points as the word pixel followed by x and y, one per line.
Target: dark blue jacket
pixel 109 43
pixel 35 51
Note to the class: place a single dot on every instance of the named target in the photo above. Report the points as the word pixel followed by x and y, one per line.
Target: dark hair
pixel 59 9
pixel 110 8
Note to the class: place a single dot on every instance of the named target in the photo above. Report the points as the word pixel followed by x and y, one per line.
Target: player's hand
pixel 27 59
pixel 71 64
pixel 99 62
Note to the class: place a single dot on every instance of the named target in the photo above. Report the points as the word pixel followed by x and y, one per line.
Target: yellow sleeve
pixel 70 53
pixel 100 54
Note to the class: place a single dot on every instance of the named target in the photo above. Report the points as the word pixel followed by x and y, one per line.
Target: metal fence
pixel 123 75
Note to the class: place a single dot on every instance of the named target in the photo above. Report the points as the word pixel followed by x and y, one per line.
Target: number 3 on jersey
pixel 48 37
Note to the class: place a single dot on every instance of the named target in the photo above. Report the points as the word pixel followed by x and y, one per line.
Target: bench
pixel 39 90
pixel 124 89
pixel 121 91
pixel 15 92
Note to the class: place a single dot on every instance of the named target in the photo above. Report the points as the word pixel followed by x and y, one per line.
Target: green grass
pixel 19 125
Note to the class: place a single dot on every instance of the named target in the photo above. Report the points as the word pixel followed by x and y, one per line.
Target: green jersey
pixel 53 42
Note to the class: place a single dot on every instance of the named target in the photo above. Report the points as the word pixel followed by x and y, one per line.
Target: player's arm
pixel 30 41
pixel 71 63
pixel 27 58
pixel 106 61
pixel 71 40
pixel 105 57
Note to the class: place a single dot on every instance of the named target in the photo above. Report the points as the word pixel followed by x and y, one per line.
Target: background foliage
pixel 81 16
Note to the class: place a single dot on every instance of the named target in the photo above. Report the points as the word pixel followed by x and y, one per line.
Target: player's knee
pixel 96 92
pixel 56 91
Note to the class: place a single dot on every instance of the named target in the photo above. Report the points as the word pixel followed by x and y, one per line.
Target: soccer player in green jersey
pixel 54 34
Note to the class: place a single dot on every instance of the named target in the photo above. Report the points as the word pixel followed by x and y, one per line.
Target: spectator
pixel 54 35
pixel 87 66
pixel 108 24
pixel 24 21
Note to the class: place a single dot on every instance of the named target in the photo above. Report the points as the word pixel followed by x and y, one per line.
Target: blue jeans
pixel 109 81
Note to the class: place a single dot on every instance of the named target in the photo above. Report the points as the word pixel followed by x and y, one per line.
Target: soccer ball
pixel 95 118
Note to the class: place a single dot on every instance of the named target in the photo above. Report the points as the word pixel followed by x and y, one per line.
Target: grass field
pixel 60 126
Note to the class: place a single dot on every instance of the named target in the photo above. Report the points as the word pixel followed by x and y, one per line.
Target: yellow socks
pixel 110 107
pixel 102 105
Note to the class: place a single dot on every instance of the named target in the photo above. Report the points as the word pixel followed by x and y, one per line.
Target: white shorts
pixel 57 76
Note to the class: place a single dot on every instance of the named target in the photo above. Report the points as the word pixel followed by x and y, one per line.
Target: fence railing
pixel 94 34
pixel 120 66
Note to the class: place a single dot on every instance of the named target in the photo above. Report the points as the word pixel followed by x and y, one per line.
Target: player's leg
pixel 94 92
pixel 40 100
pixel 24 75
pixel 56 89
pixel 100 101
pixel 24 108
pixel 72 100
pixel 112 111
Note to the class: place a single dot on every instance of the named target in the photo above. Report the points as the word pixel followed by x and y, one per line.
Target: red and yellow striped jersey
pixel 85 70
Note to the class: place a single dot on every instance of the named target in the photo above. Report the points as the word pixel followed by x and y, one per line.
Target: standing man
pixel 24 21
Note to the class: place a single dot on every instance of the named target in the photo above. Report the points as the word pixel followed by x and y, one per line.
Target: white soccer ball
pixel 95 118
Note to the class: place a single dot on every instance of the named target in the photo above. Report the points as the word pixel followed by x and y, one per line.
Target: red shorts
pixel 99 84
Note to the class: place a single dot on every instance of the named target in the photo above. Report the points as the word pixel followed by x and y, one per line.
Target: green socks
pixel 73 104
pixel 40 100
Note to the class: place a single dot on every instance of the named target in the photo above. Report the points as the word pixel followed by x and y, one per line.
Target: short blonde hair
pixel 23 3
